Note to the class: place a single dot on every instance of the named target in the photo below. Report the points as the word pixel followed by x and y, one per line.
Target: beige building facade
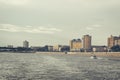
pixel 87 42
pixel 57 47
pixel 75 45
pixel 113 40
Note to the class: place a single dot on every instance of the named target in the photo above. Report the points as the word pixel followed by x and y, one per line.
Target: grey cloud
pixel 93 27
pixel 75 17
pixel 28 29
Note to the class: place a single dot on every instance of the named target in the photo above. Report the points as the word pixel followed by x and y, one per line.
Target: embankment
pixel 101 54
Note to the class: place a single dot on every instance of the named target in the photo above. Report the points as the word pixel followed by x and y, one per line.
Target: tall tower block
pixel 87 42
pixel 25 44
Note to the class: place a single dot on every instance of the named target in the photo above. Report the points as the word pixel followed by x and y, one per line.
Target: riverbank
pixel 87 54
pixel 100 54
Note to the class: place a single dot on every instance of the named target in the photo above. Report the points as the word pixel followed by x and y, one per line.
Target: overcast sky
pixel 54 22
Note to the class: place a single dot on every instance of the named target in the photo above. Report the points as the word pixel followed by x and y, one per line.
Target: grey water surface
pixel 30 66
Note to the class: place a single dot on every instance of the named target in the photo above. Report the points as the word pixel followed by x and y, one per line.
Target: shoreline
pixel 87 54
pixel 99 54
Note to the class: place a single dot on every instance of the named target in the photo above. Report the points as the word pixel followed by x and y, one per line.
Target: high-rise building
pixel 75 45
pixel 117 42
pixel 25 44
pixel 87 42
pixel 113 40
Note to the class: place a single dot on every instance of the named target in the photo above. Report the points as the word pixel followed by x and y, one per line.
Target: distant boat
pixel 65 52
pixel 93 57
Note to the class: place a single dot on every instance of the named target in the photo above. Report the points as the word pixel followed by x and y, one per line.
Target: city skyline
pixel 85 41
pixel 57 21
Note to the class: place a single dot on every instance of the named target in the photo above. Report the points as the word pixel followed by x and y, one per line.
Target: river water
pixel 30 66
